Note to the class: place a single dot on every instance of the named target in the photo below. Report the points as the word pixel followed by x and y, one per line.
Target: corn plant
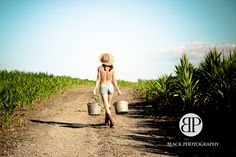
pixel 161 89
pixel 141 88
pixel 21 89
pixel 185 84
pixel 162 92
pixel 217 76
pixel 7 105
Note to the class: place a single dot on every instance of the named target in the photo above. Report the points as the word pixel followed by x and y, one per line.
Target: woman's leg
pixel 107 108
pixel 110 103
pixel 110 96
pixel 106 103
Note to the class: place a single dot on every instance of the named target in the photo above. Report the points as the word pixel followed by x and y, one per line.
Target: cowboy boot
pixel 111 120
pixel 106 119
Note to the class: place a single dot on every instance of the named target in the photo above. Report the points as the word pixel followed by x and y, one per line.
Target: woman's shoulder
pixel 100 68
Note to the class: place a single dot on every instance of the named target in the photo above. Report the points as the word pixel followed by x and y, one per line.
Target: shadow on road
pixel 163 136
pixel 68 125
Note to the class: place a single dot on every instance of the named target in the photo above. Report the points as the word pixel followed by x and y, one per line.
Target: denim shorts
pixel 106 88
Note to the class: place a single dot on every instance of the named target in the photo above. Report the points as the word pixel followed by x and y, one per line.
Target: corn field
pixel 20 90
pixel 208 88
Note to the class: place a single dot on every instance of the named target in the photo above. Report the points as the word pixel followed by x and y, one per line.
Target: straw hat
pixel 106 58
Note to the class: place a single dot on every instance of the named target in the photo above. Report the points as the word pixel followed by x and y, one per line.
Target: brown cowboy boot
pixel 111 120
pixel 106 119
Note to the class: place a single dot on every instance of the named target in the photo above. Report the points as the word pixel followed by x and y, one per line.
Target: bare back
pixel 105 74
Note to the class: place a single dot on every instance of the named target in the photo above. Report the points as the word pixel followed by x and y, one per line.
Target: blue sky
pixel 146 37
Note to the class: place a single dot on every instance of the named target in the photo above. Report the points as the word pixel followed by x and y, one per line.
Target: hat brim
pixel 111 59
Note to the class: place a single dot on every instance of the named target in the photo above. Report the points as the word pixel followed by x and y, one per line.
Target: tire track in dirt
pixel 63 128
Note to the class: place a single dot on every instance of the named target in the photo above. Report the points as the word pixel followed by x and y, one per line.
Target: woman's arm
pixel 114 81
pixel 98 80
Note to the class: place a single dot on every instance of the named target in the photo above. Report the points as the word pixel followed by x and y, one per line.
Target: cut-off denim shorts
pixel 106 88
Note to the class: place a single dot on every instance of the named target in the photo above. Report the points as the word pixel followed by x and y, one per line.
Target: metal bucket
pixel 121 107
pixel 94 109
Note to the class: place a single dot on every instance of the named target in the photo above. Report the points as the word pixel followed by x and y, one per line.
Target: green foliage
pixel 209 88
pixel 142 88
pixel 217 75
pixel 21 89
pixel 185 84
pixel 95 99
pixel 123 83
pixel 161 89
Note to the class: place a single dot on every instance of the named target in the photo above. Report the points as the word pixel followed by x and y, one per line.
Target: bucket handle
pixel 119 97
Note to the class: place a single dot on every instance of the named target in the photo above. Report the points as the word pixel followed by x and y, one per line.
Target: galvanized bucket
pixel 121 107
pixel 94 109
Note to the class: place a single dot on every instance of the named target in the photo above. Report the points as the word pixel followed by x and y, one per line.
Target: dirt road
pixel 62 127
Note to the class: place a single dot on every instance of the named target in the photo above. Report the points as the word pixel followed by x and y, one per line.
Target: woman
pixel 106 78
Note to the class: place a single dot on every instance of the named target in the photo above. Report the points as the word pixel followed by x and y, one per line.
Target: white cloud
pixel 196 51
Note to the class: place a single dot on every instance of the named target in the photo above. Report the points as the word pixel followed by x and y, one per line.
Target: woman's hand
pixel 119 92
pixel 94 92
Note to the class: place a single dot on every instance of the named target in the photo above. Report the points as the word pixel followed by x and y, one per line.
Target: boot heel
pixel 106 119
pixel 111 121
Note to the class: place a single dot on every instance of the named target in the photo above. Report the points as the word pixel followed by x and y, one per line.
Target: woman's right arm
pixel 98 80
